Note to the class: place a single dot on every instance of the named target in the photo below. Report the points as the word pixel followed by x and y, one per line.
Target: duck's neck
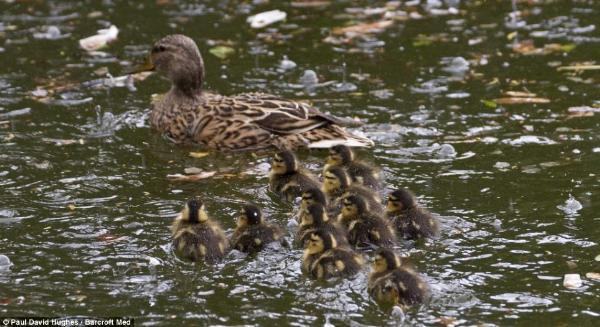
pixel 187 81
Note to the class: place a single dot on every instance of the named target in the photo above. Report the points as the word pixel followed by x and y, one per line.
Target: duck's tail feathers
pixel 333 135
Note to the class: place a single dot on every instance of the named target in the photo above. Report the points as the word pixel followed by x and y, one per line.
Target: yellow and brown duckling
pixel 310 197
pixel 360 172
pixel 392 283
pixel 337 184
pixel 196 237
pixel 252 233
pixel 249 121
pixel 323 258
pixel 314 218
pixel 410 220
pixel 287 178
pixel 365 227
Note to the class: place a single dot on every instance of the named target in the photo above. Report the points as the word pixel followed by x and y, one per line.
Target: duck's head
pixel 314 215
pixel 194 211
pixel 335 179
pixel 385 260
pixel 320 241
pixel 340 155
pixel 312 196
pixel 177 57
pixel 284 162
pixel 354 205
pixel 399 200
pixel 250 215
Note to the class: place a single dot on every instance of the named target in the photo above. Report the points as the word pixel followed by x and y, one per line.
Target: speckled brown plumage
pixel 249 121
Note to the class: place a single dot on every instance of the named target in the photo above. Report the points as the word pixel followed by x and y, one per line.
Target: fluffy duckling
pixel 287 178
pixel 310 197
pixel 252 233
pixel 314 218
pixel 323 259
pixel 360 172
pixel 390 282
pixel 195 236
pixel 410 220
pixel 337 184
pixel 363 226
pixel 188 113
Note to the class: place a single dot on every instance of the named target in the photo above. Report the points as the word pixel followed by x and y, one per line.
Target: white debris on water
pixel 501 165
pixel 571 206
pixel 286 64
pixel 5 262
pixel 99 40
pixel 266 18
pixel 529 139
pixel 572 281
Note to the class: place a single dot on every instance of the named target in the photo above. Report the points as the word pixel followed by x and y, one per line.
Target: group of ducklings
pixel 335 219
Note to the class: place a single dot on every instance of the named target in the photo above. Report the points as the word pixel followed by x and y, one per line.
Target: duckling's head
pixel 340 155
pixel 314 215
pixel 178 57
pixel 250 215
pixel 354 205
pixel 335 179
pixel 312 196
pixel 399 200
pixel 284 162
pixel 194 212
pixel 385 260
pixel 320 241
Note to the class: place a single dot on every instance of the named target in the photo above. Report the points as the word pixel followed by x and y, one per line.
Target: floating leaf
pixel 593 275
pixel 579 67
pixel 489 103
pixel 364 28
pixel 521 100
pixel 528 48
pixel 519 94
pixel 597 258
pixel 192 170
pixel 191 178
pixel 198 154
pixel 222 51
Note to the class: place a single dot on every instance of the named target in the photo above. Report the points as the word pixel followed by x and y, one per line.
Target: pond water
pixel 85 204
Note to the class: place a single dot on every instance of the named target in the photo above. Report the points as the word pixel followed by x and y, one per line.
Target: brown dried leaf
pixel 198 154
pixel 109 238
pixel 364 28
pixel 593 275
pixel 191 178
pixel 519 100
pixel 519 94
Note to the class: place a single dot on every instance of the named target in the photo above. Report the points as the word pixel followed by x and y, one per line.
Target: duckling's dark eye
pixel 159 48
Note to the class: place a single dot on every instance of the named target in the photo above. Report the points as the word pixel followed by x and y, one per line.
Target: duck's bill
pixel 147 66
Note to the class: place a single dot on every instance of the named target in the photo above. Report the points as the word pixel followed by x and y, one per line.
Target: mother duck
pixel 248 121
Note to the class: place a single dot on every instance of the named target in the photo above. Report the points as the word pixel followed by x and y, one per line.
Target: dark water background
pixel 85 224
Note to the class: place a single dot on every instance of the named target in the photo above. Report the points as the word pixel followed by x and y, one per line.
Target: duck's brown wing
pixel 250 119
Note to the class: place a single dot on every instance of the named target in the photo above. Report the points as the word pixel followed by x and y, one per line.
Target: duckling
pixel 287 178
pixel 337 184
pixel 252 233
pixel 360 172
pixel 390 282
pixel 309 197
pixel 363 226
pixel 323 259
pixel 195 236
pixel 248 121
pixel 315 218
pixel 410 220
